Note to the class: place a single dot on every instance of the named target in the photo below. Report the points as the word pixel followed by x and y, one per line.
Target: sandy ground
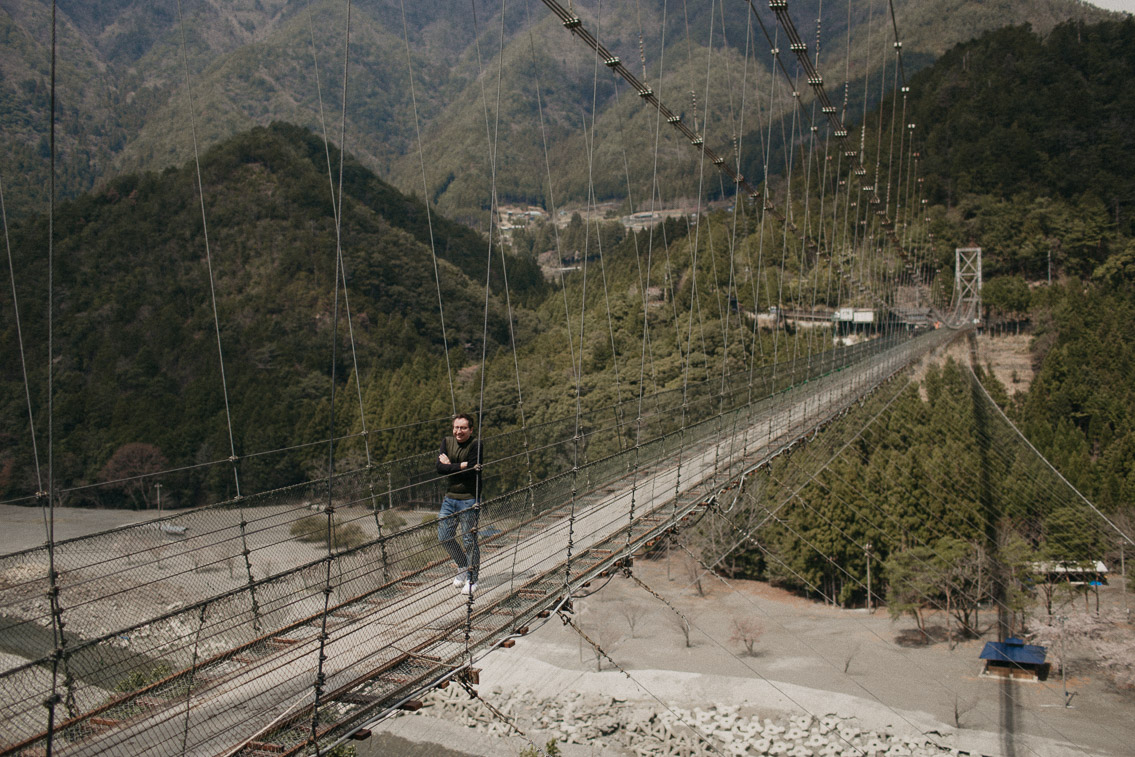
pixel 808 659
pixel 23 527
pixel 1007 354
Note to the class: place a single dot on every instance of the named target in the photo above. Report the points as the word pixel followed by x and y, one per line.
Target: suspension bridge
pixel 235 669
pixel 258 648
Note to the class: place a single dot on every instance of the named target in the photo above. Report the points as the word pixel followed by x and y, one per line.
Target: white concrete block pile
pixel 617 726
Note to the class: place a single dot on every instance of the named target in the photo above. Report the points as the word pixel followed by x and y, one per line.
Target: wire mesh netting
pixel 301 613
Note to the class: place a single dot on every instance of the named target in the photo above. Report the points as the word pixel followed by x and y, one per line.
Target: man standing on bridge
pixel 460 461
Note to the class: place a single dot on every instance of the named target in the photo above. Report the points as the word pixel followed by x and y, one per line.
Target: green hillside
pixel 136 355
pixel 137 382
pixel 1014 113
pixel 134 337
pixel 1026 149
pixel 1031 155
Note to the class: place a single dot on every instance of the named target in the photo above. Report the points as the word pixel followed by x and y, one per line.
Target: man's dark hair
pixel 467 418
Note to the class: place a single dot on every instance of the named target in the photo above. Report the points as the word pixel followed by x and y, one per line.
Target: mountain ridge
pixel 123 107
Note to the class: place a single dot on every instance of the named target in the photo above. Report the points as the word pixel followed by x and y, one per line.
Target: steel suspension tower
pixel 967 282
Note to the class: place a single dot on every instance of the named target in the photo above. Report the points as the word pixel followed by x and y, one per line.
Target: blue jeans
pixel 465 511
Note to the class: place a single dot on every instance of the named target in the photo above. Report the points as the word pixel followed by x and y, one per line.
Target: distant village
pixel 851 324
pixel 511 217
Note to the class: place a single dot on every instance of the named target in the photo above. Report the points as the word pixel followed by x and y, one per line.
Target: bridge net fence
pixel 161 619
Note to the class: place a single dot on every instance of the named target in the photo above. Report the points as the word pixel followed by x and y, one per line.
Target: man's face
pixel 461 430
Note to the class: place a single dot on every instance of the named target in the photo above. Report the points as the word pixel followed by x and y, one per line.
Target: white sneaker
pixel 468 588
pixel 461 579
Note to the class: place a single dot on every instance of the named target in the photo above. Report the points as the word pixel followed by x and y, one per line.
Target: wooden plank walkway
pixel 385 645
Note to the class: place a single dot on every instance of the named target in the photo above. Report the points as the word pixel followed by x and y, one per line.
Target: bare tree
pixel 632 612
pixel 746 631
pixel 605 638
pixel 1105 641
pixel 1117 657
pixel 694 574
pixel 961 707
pixel 682 625
pixel 128 470
pixel 847 658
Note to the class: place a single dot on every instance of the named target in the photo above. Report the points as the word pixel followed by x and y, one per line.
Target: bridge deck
pixel 387 642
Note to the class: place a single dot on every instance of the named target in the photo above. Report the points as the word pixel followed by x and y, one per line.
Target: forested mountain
pixel 123 103
pixel 1025 149
pixel 1014 113
pixel 1080 410
pixel 134 329
pixel 1029 156
pixel 137 384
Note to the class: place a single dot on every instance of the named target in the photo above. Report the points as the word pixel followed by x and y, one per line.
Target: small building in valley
pixel 1014 658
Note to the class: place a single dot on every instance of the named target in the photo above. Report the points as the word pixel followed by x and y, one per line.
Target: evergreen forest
pixel 1028 150
pixel 176 345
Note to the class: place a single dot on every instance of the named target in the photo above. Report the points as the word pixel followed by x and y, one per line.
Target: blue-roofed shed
pixel 1014 658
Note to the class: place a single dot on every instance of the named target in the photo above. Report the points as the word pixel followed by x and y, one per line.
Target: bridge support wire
pixel 495 711
pixel 711 743
pixel 388 635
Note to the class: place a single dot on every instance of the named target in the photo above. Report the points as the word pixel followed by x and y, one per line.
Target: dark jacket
pixel 462 484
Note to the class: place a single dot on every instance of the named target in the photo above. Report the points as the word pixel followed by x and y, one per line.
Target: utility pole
pixel 1123 573
pixel 1063 662
pixel 867 552
pixel 161 535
